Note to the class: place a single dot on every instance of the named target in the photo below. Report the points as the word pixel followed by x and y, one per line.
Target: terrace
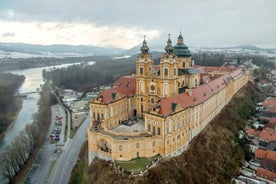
pixel 129 129
pixel 131 126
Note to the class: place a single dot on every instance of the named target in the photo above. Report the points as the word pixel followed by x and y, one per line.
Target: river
pixel 33 80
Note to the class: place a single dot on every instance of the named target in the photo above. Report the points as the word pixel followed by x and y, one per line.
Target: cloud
pixel 203 23
pixel 47 33
pixel 7 34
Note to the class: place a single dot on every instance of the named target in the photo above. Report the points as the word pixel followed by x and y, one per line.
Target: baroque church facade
pixel 161 108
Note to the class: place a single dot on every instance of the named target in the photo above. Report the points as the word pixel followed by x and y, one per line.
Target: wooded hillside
pixel 214 156
pixel 9 83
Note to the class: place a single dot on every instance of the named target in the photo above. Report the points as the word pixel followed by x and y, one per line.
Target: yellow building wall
pixel 176 130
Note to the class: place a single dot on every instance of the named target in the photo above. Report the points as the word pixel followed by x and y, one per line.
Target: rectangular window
pixel 158 131
pixel 168 130
pixel 166 89
pixel 149 128
pixel 153 130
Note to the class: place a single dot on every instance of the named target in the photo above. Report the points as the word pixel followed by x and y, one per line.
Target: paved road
pixel 39 172
pixel 64 165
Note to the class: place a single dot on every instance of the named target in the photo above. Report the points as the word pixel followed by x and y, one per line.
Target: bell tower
pixel 144 71
pixel 169 71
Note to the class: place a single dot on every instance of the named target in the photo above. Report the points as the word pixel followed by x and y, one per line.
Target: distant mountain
pixel 10 49
pixel 152 48
pixel 241 49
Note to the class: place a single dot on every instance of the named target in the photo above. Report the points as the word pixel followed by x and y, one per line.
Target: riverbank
pixel 42 120
pixel 11 116
pixel 212 157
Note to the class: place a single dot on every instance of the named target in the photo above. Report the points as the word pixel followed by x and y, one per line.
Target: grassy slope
pixel 212 157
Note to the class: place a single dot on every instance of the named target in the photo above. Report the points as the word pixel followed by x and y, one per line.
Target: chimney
pixel 190 92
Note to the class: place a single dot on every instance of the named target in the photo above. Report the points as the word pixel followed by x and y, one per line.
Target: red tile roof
pixel 207 69
pixel 197 95
pixel 185 100
pixel 270 101
pixel 271 124
pixel 266 174
pixel 261 154
pixel 205 78
pixel 268 134
pixel 236 74
pixel 124 86
pixel 253 132
pixel 272 120
pixel 217 85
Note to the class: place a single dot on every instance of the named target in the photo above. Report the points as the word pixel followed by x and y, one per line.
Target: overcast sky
pixel 122 23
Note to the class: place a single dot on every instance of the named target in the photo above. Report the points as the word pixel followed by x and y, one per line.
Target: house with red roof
pixel 268 154
pixel 267 135
pixel 252 133
pixel 266 174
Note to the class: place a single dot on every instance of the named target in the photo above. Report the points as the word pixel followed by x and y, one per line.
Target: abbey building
pixel 161 108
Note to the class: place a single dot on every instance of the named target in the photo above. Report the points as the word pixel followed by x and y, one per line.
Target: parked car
pixel 57 138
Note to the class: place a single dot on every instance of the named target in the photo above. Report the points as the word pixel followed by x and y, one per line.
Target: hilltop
pixel 206 159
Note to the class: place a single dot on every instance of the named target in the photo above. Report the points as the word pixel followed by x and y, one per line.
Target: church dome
pixel 169 48
pixel 180 49
pixel 144 49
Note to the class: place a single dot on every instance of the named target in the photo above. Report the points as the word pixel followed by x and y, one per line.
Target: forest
pixel 9 83
pixel 106 70
pixel 86 77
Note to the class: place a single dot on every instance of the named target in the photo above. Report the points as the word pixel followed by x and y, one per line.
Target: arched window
pixel 166 71
pixel 152 100
pixel 174 71
pixel 141 70
pixel 142 99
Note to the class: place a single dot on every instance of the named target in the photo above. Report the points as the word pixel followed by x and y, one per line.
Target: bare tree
pixel 7 171
pixel 32 132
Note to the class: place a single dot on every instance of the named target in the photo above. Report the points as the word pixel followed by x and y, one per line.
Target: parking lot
pixel 58 125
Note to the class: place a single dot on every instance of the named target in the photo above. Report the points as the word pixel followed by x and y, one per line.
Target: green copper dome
pixel 180 49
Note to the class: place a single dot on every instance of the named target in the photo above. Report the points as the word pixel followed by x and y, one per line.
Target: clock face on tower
pixel 152 87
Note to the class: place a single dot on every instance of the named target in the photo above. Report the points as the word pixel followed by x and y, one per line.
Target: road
pixel 39 172
pixel 68 158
